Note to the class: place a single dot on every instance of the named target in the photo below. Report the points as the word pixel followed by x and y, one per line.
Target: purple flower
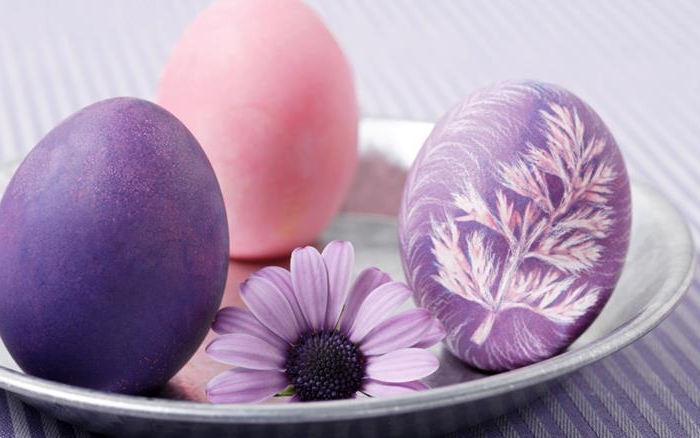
pixel 310 335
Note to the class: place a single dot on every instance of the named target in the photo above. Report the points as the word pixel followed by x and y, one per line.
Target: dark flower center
pixel 325 365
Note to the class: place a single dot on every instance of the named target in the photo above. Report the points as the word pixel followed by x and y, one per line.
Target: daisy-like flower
pixel 310 335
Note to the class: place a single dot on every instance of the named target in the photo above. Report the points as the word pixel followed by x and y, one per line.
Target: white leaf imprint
pixel 562 232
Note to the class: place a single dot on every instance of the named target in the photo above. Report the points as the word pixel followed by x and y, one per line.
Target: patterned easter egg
pixel 515 223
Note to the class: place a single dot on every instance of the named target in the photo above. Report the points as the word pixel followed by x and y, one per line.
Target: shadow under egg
pixel 191 381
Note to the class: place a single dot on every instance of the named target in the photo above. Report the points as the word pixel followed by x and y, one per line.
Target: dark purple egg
pixel 515 223
pixel 113 249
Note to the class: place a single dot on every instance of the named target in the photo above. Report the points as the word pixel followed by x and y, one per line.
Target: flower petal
pixel 402 365
pixel 340 259
pixel 367 281
pixel 271 307
pixel 237 320
pixel 282 278
pixel 244 350
pixel 245 386
pixel 434 334
pixel 378 305
pixel 383 389
pixel 310 280
pixel 399 331
pixel 227 320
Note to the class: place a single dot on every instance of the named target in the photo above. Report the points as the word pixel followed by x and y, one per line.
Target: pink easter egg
pixel 265 88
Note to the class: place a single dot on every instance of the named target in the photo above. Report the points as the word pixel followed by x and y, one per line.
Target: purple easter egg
pixel 113 249
pixel 515 223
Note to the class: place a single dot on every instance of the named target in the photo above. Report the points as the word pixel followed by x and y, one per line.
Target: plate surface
pixel 656 274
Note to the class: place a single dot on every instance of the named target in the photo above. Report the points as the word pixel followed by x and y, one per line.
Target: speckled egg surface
pixel 268 93
pixel 514 223
pixel 114 249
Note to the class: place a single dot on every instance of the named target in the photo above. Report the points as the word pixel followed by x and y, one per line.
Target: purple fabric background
pixel 636 62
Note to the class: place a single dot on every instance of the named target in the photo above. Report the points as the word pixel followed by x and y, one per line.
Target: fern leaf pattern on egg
pixel 515 223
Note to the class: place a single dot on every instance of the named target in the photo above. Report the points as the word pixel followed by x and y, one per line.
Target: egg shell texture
pixel 266 90
pixel 114 249
pixel 514 223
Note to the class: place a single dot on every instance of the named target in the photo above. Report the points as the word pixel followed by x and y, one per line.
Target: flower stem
pixel 286 392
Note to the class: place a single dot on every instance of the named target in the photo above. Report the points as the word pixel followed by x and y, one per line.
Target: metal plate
pixel 656 274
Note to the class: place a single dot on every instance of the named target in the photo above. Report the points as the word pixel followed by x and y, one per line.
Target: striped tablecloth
pixel 636 62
